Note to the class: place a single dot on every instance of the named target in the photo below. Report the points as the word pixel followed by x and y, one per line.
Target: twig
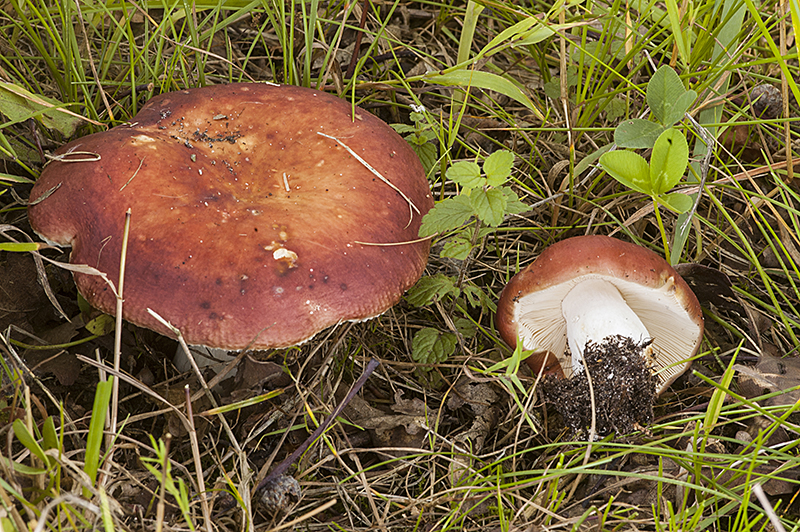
pixel 198 466
pixel 281 468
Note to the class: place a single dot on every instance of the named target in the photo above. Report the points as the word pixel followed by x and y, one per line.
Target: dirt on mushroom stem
pixel 623 384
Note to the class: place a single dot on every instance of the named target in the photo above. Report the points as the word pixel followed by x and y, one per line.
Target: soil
pixel 623 386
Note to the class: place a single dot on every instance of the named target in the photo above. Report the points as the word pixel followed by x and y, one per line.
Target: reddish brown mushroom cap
pixel 248 226
pixel 530 305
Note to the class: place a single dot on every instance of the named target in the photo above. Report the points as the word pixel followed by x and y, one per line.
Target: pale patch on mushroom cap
pixel 248 227
pixel 530 305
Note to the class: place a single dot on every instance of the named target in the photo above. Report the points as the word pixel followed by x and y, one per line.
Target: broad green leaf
pixel 669 160
pixel 489 206
pixel 467 174
pixel 682 104
pixel 458 248
pixel 663 91
pixel 446 215
pixel 482 80
pixel 403 128
pixel 465 327
pixel 497 167
pixel 427 155
pixel 628 168
pixel 101 325
pixel 19 104
pixel 430 346
pixel 513 204
pixel 587 161
pixel 430 289
pixel 637 133
pixel 679 201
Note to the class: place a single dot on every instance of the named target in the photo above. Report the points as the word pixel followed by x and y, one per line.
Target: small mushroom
pixel 585 290
pixel 261 214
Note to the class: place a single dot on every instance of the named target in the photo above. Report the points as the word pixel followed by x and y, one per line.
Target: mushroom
pixel 585 290
pixel 260 214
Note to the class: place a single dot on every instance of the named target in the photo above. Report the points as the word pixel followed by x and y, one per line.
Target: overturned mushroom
pixel 261 214
pixel 600 293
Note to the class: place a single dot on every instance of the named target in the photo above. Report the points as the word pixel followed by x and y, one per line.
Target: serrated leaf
pixel 628 168
pixel 403 128
pixel 426 154
pixel 432 288
pixel 669 160
pixel 446 215
pixel 663 91
pixel 465 327
pixel 430 346
pixel 497 167
pixel 513 203
pixel 458 248
pixel 637 133
pixel 489 205
pixel 467 174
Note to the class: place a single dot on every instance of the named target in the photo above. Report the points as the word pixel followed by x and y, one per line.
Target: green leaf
pixel 430 289
pixel 664 90
pixel 20 246
pixel 489 206
pixel 19 104
pixel 404 128
pixel 102 397
pixel 28 441
pixel 49 434
pixel 637 133
pixel 682 104
pixel 430 346
pixel 497 167
pixel 446 215
pixel 669 160
pixel 513 203
pixel 427 155
pixel 678 201
pixel 101 325
pixel 467 174
pixel 465 327
pixel 482 80
pixel 680 35
pixel 458 248
pixel 628 168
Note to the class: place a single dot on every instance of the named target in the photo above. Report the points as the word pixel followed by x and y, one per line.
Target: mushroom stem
pixel 594 310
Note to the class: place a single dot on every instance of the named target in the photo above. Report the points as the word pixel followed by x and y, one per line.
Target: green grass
pixel 551 91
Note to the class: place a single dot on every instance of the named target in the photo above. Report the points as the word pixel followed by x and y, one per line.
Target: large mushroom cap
pixel 251 224
pixel 530 306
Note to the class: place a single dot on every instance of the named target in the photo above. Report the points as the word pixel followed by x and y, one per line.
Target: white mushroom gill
pixel 594 310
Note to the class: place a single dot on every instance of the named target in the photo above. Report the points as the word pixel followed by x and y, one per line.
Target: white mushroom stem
pixel 594 310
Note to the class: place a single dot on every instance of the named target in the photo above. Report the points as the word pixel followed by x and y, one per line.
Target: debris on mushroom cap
pixel 261 214
pixel 530 306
